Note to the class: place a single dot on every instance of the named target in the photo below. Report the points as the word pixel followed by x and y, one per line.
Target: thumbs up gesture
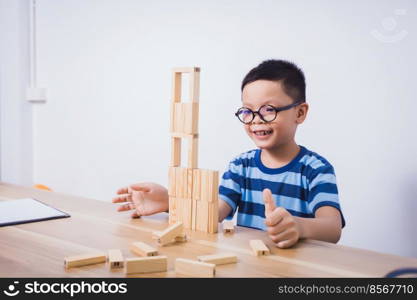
pixel 282 227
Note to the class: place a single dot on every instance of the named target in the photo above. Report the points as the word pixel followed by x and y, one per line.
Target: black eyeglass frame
pixel 276 109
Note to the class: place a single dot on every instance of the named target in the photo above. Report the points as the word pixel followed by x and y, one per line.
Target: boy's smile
pixel 281 131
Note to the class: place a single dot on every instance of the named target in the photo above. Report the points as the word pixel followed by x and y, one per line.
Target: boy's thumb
pixel 269 202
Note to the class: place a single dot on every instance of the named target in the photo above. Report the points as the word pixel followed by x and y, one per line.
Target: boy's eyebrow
pixel 269 101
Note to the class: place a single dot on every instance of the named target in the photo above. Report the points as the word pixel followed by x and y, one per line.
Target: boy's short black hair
pixel 291 76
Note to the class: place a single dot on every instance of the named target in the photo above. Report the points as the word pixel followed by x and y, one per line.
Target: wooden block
pixel 213 186
pixel 181 238
pixel 187 207
pixel 196 184
pixel 194 268
pixel 219 259
pixel 183 135
pixel 194 215
pixel 172 118
pixel 258 247
pixel 176 87
pixel 202 216
pixel 175 152
pixel 189 194
pixel 191 118
pixel 149 264
pixel 171 182
pixel 195 85
pixel 115 258
pixel 143 249
pixel 178 178
pixel 214 216
pixel 193 152
pixel 185 69
pixel 168 235
pixel 228 227
pixel 173 210
pixel 84 259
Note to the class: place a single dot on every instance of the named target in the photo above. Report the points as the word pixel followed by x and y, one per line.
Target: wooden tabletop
pixel 38 249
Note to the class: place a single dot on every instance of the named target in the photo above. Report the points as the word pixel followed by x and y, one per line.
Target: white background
pixel 106 65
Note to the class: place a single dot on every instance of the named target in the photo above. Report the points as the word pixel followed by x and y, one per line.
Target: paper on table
pixel 27 210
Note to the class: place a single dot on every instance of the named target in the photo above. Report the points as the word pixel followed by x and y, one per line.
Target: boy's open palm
pixel 282 227
pixel 145 199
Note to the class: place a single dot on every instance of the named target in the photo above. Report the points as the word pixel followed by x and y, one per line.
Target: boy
pixel 281 187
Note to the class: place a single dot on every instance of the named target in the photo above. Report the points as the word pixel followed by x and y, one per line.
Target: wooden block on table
pixel 143 249
pixel 181 238
pixel 228 227
pixel 194 268
pixel 115 258
pixel 85 259
pixel 258 247
pixel 150 264
pixel 168 235
pixel 219 259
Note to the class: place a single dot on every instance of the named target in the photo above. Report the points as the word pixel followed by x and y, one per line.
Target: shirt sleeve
pixel 323 190
pixel 231 184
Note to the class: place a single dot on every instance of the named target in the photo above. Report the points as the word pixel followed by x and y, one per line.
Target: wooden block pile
pixel 193 192
pixel 150 261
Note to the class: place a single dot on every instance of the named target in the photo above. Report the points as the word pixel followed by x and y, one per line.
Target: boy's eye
pixel 267 109
pixel 246 112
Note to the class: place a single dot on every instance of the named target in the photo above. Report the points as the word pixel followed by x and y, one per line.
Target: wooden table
pixel 38 249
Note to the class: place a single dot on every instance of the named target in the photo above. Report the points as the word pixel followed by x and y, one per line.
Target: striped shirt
pixel 307 183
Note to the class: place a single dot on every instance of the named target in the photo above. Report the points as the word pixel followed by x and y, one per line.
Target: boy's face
pixel 279 132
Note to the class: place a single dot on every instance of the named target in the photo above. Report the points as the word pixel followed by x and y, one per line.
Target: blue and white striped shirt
pixel 307 183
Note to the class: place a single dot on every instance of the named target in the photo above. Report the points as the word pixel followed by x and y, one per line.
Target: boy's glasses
pixel 267 113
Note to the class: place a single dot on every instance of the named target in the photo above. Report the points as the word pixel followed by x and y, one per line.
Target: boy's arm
pixel 224 209
pixel 326 226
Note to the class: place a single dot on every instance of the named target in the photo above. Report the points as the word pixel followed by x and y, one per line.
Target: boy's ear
pixel 302 113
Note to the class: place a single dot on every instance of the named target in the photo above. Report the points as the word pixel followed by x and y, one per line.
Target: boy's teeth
pixel 263 132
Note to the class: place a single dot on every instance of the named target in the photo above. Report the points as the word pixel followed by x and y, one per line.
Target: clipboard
pixel 27 210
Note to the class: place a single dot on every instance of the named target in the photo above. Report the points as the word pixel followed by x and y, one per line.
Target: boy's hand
pixel 282 227
pixel 145 199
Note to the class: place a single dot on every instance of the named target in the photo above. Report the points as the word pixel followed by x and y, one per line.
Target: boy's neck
pixel 279 156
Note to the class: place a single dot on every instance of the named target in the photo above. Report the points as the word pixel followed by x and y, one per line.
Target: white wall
pixel 107 64
pixel 16 155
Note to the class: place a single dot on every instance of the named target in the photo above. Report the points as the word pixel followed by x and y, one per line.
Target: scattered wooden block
pixel 168 235
pixel 228 227
pixel 194 268
pixel 84 259
pixel 181 238
pixel 115 259
pixel 258 247
pixel 150 264
pixel 143 249
pixel 218 259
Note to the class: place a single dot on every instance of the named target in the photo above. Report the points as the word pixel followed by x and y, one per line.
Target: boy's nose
pixel 257 118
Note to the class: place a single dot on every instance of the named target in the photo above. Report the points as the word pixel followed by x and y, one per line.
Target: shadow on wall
pixel 409 202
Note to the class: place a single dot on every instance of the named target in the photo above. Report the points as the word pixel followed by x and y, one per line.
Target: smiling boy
pixel 280 187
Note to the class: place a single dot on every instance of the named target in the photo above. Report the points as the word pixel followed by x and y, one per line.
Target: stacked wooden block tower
pixel 193 192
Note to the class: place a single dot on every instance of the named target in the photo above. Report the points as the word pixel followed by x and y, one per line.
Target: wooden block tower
pixel 193 192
